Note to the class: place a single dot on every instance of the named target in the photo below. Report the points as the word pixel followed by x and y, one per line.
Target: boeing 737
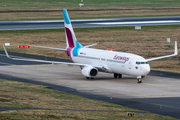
pixel 92 61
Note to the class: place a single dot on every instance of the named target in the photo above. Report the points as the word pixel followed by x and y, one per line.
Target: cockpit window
pixel 138 63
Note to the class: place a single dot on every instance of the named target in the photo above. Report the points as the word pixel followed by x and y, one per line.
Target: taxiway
pixel 156 94
pixel 85 23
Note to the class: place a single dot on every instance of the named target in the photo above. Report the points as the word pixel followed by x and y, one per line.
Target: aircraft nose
pixel 146 69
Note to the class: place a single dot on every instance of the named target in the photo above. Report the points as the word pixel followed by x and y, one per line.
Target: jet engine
pixel 89 71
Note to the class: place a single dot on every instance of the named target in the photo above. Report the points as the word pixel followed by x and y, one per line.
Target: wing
pixel 44 61
pixel 49 48
pixel 55 62
pixel 175 53
pixel 59 48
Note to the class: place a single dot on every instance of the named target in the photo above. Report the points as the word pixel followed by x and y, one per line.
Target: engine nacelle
pixel 89 71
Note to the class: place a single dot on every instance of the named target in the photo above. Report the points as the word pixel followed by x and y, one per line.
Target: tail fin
pixel 69 32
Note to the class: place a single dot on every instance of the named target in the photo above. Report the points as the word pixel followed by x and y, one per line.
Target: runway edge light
pixel 7 44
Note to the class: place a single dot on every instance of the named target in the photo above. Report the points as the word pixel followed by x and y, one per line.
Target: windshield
pixel 138 63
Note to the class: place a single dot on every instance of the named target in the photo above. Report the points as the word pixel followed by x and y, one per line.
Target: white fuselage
pixel 114 62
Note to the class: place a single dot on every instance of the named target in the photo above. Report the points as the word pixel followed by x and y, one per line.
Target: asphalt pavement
pixel 159 92
pixel 85 23
pixel 4 61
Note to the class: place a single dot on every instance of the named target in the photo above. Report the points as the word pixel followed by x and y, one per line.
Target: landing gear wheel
pixel 120 75
pixel 139 80
pixel 115 75
pixel 87 77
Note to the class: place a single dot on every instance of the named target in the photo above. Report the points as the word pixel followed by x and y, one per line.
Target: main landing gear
pixel 117 75
pixel 89 78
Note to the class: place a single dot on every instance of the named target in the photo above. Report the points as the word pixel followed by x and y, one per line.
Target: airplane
pixel 92 61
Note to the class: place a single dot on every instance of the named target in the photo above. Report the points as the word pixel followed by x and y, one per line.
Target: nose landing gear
pixel 139 80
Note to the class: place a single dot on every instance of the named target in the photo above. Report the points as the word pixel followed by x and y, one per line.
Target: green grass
pixel 93 3
pixel 160 27
pixel 25 95
pixel 131 8
pixel 85 17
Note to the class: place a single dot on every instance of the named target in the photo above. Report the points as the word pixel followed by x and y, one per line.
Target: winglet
pixel 176 49
pixel 6 52
pixel 175 53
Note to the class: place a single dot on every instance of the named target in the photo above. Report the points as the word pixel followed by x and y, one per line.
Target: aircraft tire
pixel 120 75
pixel 139 80
pixel 115 75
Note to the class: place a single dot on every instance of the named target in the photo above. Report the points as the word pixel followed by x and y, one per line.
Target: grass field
pixel 149 42
pixel 92 9
pixel 43 4
pixel 24 95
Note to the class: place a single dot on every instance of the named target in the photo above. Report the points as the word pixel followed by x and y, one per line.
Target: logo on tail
pixel 71 41
pixel 70 36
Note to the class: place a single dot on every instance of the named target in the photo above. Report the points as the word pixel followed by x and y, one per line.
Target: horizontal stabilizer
pixel 90 45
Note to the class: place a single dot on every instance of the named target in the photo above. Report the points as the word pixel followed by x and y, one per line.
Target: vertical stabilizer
pixel 69 32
